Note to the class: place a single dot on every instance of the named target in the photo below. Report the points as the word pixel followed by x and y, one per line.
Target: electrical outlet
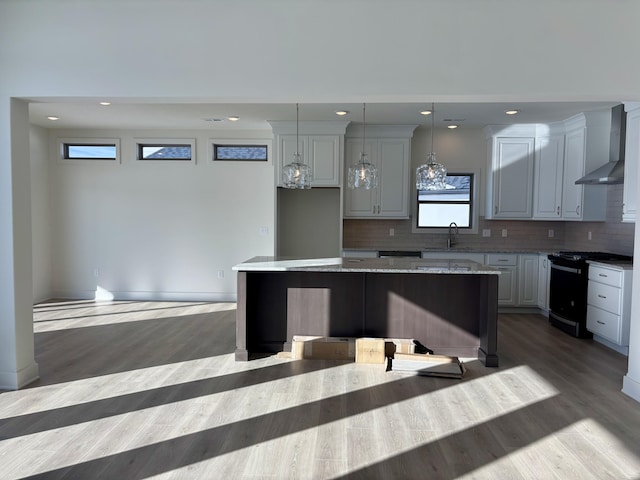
pixel 96 272
pixel 392 232
pixel 486 232
pixel 220 273
pixel 589 236
pixel 504 233
pixel 551 233
pixel 264 231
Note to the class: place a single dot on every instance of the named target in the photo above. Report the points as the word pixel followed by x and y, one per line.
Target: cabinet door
pixel 287 147
pixel 547 184
pixel 324 159
pixel 393 171
pixel 359 203
pixel 632 157
pixel 513 160
pixel 507 286
pixel 544 273
pixel 528 280
pixel 573 169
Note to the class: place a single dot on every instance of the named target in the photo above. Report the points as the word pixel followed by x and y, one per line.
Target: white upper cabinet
pixel 510 181
pixel 320 144
pixel 586 148
pixel 389 148
pixel 533 169
pixel 632 156
pixel 547 180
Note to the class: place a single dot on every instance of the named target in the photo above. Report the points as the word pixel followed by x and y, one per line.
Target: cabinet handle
pixel 503 260
pixel 601 296
pixel 495 210
pixel 601 323
pixel 603 275
pixel 544 263
pixel 578 210
pixel 558 210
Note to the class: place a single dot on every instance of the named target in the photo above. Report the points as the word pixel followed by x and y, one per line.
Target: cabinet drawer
pixel 604 296
pixel 605 275
pixel 603 323
pixel 501 259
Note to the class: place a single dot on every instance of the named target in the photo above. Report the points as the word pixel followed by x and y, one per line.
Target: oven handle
pixel 565 269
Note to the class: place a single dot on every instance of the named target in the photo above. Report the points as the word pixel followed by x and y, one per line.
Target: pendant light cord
pixel 297 137
pixel 364 124
pixel 433 119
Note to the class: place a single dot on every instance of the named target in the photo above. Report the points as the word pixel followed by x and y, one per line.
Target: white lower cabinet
pixel 544 275
pixel 609 304
pixel 528 280
pixel 508 280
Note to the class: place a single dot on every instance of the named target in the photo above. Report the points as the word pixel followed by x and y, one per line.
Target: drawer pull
pixel 602 275
pixel 503 260
pixel 601 296
pixel 601 323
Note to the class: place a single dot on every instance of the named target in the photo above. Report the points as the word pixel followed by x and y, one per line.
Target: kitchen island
pixel 448 305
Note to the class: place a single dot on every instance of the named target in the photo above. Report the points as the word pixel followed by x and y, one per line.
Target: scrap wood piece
pixel 429 365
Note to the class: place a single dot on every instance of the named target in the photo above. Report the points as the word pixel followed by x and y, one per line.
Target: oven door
pixel 568 298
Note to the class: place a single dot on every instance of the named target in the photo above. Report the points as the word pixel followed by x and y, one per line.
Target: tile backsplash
pixel 609 236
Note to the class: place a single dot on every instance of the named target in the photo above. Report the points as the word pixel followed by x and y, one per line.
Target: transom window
pixel 165 150
pixel 240 152
pixel 438 208
pixel 89 151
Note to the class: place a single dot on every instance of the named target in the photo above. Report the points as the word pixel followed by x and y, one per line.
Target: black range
pixel 568 289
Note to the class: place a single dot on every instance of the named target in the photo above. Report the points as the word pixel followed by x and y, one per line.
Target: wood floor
pixel 133 390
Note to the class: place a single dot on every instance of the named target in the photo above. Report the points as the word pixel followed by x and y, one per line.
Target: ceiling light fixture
pixel 363 174
pixel 431 175
pixel 53 118
pixel 512 112
pixel 104 104
pixel 233 118
pixel 296 175
pixel 342 113
pixel 426 112
pixel 452 126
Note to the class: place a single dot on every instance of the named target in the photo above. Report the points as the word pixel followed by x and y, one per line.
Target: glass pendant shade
pixel 296 174
pixel 363 174
pixel 431 175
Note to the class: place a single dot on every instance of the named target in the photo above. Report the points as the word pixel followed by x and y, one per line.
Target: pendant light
pixel 363 174
pixel 431 175
pixel 296 174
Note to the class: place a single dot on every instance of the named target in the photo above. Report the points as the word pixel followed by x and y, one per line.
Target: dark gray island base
pixel 451 307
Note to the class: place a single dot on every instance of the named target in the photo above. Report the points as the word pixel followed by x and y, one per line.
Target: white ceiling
pixel 88 113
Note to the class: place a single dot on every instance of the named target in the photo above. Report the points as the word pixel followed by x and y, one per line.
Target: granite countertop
pixel 621 264
pixel 373 265
pixel 455 250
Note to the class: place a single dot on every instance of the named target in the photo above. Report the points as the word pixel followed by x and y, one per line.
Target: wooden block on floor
pixel 431 365
pixel 370 350
pixel 399 345
pixel 322 348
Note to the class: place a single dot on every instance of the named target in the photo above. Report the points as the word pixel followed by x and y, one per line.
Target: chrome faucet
pixel 453 234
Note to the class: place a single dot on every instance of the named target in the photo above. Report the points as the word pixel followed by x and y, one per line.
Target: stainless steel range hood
pixel 612 172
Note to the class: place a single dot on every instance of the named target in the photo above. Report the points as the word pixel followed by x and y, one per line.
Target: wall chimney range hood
pixel 612 172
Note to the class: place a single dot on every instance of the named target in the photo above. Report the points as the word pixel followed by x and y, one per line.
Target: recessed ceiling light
pixel 53 117
pixel 105 103
pixel 342 113
pixel 233 118
pixel 452 126
pixel 425 112
pixel 512 112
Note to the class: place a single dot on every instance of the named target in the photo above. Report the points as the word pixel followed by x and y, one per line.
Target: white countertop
pixel 372 265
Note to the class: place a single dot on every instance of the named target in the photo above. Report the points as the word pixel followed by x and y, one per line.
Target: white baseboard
pixel 19 379
pixel 148 296
pixel 631 387
pixel 613 346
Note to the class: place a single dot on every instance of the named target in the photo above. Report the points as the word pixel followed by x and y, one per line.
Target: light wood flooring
pixel 133 390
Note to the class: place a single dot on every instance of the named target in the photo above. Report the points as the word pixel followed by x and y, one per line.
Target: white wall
pixel 40 213
pixel 157 230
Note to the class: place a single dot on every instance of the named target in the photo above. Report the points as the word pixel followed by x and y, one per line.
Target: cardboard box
pixel 322 348
pixel 370 350
pixel 399 345
pixel 431 365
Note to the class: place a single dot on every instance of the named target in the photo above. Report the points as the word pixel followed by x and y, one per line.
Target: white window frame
pixel 239 142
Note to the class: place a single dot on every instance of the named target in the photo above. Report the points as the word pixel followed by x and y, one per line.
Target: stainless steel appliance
pixel 568 289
